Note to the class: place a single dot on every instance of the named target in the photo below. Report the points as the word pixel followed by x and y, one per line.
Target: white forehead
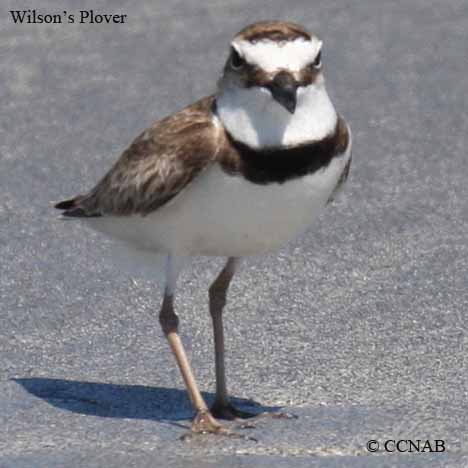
pixel 272 55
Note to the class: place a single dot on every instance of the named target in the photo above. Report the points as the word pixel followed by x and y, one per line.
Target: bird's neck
pixel 253 118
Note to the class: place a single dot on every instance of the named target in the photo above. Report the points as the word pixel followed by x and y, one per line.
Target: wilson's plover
pixel 238 173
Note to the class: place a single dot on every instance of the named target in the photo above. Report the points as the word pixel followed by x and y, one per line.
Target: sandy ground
pixel 359 327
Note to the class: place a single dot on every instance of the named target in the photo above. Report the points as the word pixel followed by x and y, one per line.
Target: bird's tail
pixel 72 208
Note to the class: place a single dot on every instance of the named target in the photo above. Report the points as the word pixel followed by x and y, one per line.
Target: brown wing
pixel 156 166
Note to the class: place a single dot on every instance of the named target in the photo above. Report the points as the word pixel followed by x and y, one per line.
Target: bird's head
pixel 272 85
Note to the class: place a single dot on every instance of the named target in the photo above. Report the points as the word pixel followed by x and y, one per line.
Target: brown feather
pixel 165 158
pixel 156 166
pixel 274 31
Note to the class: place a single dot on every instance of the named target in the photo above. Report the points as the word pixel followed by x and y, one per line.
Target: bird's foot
pixel 205 423
pixel 230 412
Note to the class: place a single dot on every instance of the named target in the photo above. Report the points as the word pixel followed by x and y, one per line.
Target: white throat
pixel 252 116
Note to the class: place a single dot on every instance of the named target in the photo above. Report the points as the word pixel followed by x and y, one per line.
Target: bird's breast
pixel 224 214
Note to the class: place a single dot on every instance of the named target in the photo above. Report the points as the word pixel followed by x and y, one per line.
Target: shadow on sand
pixel 124 401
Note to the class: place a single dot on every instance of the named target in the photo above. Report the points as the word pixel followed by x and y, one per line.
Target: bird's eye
pixel 237 62
pixel 318 61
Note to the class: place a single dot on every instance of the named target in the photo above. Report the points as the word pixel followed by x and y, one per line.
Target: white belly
pixel 219 214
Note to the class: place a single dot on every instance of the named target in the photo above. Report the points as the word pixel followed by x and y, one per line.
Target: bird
pixel 238 173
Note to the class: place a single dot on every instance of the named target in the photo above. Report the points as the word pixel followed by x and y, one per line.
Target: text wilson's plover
pixel 238 173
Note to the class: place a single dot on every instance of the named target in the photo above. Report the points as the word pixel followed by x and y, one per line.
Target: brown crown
pixel 274 31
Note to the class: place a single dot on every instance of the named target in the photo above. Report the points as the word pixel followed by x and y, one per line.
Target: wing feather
pixel 161 162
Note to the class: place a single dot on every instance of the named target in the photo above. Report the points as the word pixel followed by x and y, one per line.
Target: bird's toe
pixel 205 423
pixel 230 412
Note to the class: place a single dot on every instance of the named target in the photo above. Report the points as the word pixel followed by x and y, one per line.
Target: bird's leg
pixel 222 407
pixel 203 422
